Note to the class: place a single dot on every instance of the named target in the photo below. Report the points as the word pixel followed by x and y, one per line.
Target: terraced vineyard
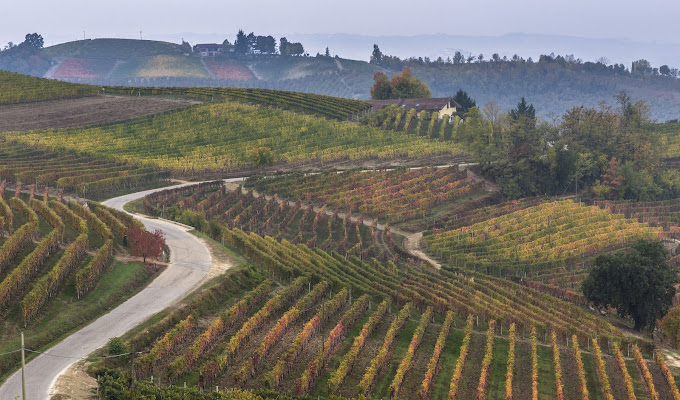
pixel 296 222
pixel 17 88
pixel 309 336
pixel 665 213
pixel 314 104
pixel 393 196
pixel 75 174
pixel 220 136
pixel 31 281
pixel 54 258
pixel 545 241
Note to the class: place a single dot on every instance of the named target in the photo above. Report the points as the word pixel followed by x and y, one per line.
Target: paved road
pixel 189 263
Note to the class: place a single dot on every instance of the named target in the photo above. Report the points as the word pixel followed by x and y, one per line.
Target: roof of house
pixel 208 45
pixel 426 104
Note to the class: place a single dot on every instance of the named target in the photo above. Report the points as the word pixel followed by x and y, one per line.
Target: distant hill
pixel 552 87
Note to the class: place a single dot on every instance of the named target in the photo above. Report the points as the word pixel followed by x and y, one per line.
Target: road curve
pixel 189 263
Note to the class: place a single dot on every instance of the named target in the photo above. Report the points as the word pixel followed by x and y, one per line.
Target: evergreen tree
pixel 464 100
pixel 241 43
pixel 523 109
pixel 376 56
pixel 328 53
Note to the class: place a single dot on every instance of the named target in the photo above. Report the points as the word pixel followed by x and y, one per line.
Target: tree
pixel 664 70
pixel 241 44
pixel 266 44
pixel 328 52
pixel 226 46
pixel 464 99
pixel 146 244
pixel 381 89
pixel 638 283
pixel 376 56
pixel 261 156
pixel 296 49
pixel 670 326
pixel 523 109
pixel 405 85
pixel 641 67
pixel 283 46
pixel 34 41
pixel 185 47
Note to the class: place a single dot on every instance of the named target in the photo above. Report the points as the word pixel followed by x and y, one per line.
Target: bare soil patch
pixel 83 111
pixel 74 383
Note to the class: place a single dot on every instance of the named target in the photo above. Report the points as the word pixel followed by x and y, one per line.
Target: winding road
pixel 190 262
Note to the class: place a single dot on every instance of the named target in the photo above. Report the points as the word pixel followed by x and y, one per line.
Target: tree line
pixel 638 67
pixel 607 152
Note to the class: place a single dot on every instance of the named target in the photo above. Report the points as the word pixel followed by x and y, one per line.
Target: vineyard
pixel 219 137
pixel 37 230
pixel 82 68
pixel 393 196
pixel 55 258
pixel 172 66
pixel 228 69
pixel 17 88
pixel 314 104
pixel 329 324
pixel 546 241
pixel 426 124
pixel 211 204
pixel 71 173
pixel 665 213
pixel 336 326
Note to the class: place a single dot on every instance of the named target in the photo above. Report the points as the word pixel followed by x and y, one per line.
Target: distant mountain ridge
pixel 551 87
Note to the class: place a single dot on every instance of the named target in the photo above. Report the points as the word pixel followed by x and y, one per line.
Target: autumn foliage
pixel 145 244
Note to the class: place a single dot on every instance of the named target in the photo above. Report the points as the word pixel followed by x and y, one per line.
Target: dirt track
pixel 83 111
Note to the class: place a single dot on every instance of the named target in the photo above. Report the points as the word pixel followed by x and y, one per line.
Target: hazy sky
pixel 64 20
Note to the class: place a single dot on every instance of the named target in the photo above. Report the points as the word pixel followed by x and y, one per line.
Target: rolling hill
pixel 552 86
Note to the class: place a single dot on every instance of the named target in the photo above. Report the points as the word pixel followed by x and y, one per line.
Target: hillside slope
pixel 552 86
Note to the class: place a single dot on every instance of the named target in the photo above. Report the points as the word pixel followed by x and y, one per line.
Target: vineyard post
pixel 132 368
pixel 23 368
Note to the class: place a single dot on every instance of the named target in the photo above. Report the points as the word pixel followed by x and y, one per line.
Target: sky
pixel 172 20
pixel 654 20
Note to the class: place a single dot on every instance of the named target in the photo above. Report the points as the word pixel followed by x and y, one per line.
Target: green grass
pixel 594 387
pixel 546 373
pixel 499 367
pixel 638 385
pixel 449 357
pixel 399 347
pixel 65 314
pixel 321 388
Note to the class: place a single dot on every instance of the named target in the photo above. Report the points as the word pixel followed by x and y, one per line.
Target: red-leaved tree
pixel 145 244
